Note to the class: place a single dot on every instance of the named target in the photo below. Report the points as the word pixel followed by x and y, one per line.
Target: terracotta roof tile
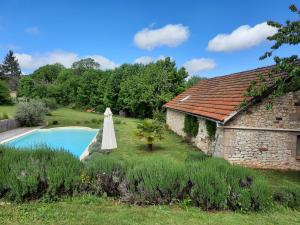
pixel 217 98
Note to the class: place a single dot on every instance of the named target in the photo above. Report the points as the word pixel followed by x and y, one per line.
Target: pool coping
pixel 20 135
pixel 83 154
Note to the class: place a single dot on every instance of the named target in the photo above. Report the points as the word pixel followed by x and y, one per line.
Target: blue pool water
pixel 74 140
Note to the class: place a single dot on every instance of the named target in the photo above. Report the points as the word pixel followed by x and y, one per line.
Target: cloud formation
pixel 147 59
pixel 197 65
pixel 34 61
pixel 170 35
pixel 33 30
pixel 243 37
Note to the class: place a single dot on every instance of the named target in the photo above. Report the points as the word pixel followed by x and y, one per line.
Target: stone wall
pixel 263 138
pixel 8 124
pixel 256 137
pixel 175 121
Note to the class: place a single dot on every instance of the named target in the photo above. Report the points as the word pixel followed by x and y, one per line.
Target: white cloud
pixel 147 59
pixel 170 35
pixel 34 61
pixel 33 30
pixel 241 38
pixel 195 66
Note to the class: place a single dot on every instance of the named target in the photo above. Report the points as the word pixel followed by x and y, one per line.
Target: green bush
pixel 211 128
pixel 156 180
pixel 54 122
pixel 31 113
pixel 50 103
pixel 94 120
pixel 117 121
pixel 4 116
pixel 4 93
pixel 261 195
pixel 287 196
pixel 191 125
pixel 159 116
pixel 32 174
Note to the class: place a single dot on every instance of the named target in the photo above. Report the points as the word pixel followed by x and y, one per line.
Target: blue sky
pixel 116 32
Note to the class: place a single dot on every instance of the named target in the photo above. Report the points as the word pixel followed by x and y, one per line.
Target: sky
pixel 209 38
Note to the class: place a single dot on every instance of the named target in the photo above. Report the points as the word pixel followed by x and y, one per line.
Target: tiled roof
pixel 217 98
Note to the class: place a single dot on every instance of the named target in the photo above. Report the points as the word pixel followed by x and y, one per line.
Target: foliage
pixel 193 80
pixel 156 180
pixel 31 113
pixel 150 131
pixel 4 94
pixel 288 196
pixel 4 116
pixel 32 174
pixel 288 34
pixel 86 86
pixel 10 70
pixel 85 64
pixel 211 128
pixel 159 116
pixel 191 125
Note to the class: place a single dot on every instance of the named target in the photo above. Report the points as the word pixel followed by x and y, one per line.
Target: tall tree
pixel 10 70
pixel 287 34
pixel 85 64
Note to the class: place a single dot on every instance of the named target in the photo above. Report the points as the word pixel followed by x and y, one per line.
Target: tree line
pixel 135 89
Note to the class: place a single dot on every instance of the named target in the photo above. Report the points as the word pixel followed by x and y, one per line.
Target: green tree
pixel 150 131
pixel 85 64
pixel 287 34
pixel 10 70
pixel 4 93
pixel 193 80
pixel 47 74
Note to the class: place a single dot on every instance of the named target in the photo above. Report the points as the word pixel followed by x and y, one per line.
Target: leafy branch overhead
pixel 285 76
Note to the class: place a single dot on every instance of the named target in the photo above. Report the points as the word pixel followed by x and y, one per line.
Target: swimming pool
pixel 73 139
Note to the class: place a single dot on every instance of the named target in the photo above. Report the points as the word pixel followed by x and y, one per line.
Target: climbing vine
pixel 287 34
pixel 191 125
pixel 211 128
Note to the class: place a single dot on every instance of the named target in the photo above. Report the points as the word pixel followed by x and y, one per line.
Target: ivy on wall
pixel 211 128
pixel 191 125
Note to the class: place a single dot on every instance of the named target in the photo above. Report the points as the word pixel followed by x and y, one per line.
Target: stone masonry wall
pixel 175 121
pixel 263 138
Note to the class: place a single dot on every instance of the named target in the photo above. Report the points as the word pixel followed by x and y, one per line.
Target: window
pixel 298 148
pixel 185 98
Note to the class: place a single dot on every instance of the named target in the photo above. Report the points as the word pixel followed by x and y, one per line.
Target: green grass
pixel 91 210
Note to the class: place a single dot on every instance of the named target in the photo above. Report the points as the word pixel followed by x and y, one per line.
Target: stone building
pixel 253 135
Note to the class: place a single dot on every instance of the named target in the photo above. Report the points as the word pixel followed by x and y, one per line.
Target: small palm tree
pixel 150 131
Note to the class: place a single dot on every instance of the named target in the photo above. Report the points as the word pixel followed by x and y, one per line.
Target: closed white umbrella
pixel 108 135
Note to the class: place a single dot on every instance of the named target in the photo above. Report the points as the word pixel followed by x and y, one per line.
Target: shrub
pixel 32 174
pixel 261 195
pixel 108 170
pixel 150 131
pixel 159 116
pixel 86 122
pixel 31 113
pixel 211 128
pixel 191 125
pixel 156 180
pixel 50 103
pixel 210 190
pixel 287 196
pixel 4 93
pixel 4 116
pixel 54 122
pixel 94 120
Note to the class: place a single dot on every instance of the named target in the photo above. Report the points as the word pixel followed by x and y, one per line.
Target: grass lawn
pixel 91 210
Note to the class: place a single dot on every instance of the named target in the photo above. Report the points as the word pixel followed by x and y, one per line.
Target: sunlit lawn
pixel 90 210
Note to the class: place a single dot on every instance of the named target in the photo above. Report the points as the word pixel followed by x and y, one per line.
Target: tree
pixel 85 64
pixel 287 34
pixel 10 70
pixel 150 131
pixel 47 74
pixel 4 93
pixel 193 80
